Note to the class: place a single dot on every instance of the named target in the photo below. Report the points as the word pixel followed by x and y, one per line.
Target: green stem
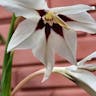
pixel 7 65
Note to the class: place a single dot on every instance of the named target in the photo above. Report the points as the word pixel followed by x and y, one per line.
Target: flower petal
pixel 83 17
pixel 32 41
pixel 82 62
pixel 89 67
pixel 40 49
pixel 62 48
pixel 77 26
pixel 25 29
pixel 85 80
pixel 50 59
pixel 34 4
pixel 71 9
pixel 44 52
pixel 19 10
pixel 82 78
pixel 71 40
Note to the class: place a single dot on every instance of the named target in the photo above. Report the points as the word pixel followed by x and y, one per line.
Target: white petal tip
pixel 8 50
pixel 93 7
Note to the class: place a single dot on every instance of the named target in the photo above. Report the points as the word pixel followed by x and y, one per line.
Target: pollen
pixel 49 16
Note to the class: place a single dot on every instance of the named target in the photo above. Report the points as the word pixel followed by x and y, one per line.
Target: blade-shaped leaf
pixel 7 65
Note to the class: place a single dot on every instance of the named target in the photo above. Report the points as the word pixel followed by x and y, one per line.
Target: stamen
pixel 60 22
pixel 49 16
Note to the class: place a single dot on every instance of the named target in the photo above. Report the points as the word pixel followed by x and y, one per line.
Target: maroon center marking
pixel 47 30
pixel 58 29
pixel 40 24
pixel 41 12
pixel 65 18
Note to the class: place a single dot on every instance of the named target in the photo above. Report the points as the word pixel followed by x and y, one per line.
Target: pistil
pixel 48 18
pixel 51 18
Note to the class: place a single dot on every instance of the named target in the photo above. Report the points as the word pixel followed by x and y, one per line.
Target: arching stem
pixel 28 78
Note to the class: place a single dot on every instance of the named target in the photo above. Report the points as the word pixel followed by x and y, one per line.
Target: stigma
pixel 51 18
pixel 48 18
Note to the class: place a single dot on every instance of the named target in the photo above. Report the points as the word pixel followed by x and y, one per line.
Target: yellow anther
pixel 49 16
pixel 60 22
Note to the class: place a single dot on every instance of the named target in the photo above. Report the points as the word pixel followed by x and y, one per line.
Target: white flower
pixel 49 30
pixel 81 74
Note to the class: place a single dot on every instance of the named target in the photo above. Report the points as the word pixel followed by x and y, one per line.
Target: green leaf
pixel 7 65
